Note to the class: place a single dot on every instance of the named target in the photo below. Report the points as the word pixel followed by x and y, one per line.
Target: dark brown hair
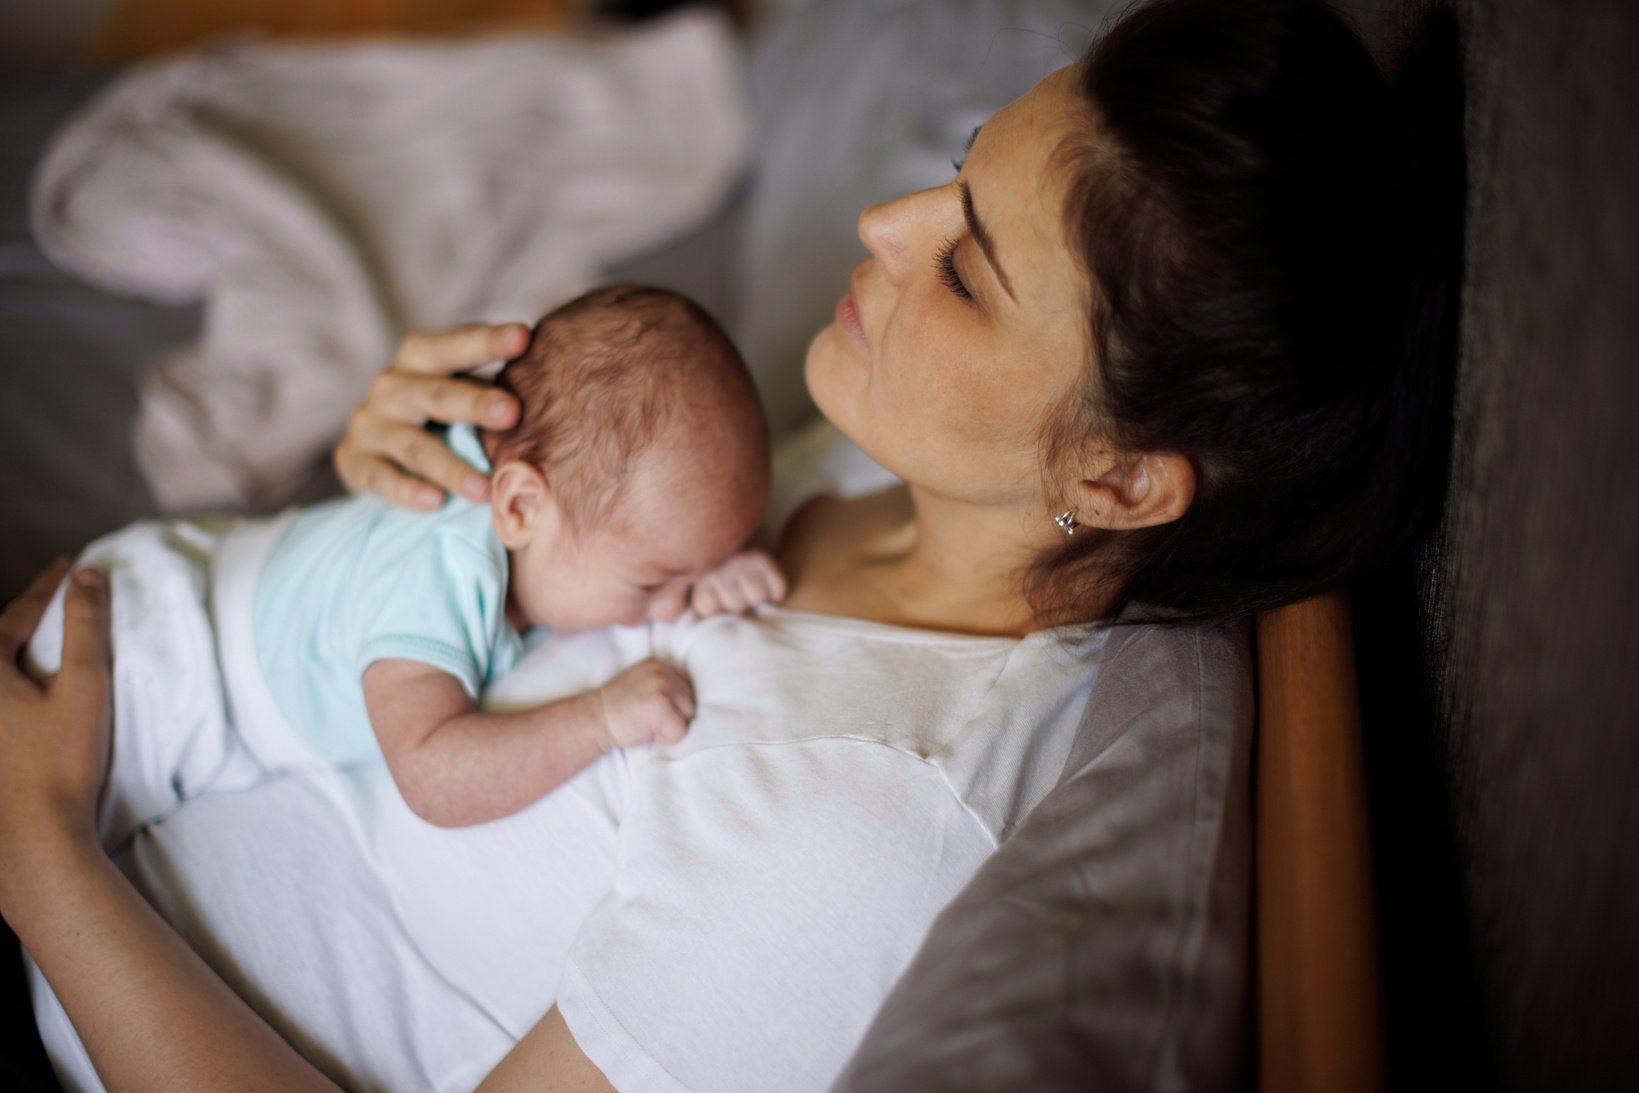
pixel 1274 274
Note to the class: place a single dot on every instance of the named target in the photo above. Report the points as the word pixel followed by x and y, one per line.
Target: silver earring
pixel 1067 520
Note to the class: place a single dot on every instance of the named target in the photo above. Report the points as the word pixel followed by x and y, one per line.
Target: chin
pixel 841 402
pixel 816 349
pixel 820 370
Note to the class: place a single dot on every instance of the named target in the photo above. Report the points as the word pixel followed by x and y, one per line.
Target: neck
pixel 953 565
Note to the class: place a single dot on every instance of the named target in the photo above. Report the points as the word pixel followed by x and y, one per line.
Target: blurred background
pixel 121 29
pixel 114 30
pixel 1499 668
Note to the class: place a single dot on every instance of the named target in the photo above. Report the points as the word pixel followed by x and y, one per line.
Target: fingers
pixel 741 583
pixel 673 724
pixel 367 474
pixel 461 348
pixel 748 590
pixel 671 730
pixel 417 399
pixel 764 580
pixel 773 582
pixel 387 452
pixel 704 599
pixel 404 464
pixel 22 615
pixel 84 674
pixel 650 701
pixel 679 692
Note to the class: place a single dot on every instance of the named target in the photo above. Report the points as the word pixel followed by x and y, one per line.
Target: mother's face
pixel 965 328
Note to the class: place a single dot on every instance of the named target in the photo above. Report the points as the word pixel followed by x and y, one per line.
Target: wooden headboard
pixel 1319 996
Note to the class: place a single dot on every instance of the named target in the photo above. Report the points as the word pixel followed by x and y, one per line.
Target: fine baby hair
pixel 612 372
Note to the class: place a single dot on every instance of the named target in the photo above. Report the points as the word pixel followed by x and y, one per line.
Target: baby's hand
pixel 648 701
pixel 747 579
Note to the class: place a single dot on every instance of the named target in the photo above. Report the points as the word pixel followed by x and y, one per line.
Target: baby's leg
pixel 171 735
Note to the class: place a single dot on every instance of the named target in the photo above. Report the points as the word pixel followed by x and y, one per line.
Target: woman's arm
pixel 387 452
pixel 547 1060
pixel 150 1012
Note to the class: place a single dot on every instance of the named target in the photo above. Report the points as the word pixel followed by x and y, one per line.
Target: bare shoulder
pixel 829 547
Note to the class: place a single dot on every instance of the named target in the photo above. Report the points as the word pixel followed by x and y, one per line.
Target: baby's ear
pixel 522 504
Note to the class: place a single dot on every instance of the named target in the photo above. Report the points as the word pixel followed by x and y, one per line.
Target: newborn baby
pixel 637 471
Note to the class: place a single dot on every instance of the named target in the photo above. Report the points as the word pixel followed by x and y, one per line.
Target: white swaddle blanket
pixel 323 200
pixel 172 734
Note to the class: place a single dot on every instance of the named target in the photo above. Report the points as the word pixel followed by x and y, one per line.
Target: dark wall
pixel 1500 675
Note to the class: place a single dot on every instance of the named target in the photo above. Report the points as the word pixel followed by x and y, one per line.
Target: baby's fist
pixel 648 701
pixel 747 579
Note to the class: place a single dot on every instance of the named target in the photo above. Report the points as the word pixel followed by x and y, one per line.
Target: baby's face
pixel 663 533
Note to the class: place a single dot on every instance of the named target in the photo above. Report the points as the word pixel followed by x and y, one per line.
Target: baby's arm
pixel 457 766
pixel 747 579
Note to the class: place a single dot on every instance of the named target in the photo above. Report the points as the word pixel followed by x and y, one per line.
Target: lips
pixel 848 314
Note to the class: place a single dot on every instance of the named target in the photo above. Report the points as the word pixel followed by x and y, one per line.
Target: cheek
pixel 597 603
pixel 537 594
pixel 946 374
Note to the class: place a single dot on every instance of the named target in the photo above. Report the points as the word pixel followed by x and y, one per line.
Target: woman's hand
pixel 387 452
pixel 53 735
pixel 148 1010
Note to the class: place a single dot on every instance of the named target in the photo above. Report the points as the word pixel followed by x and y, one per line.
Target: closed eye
pixel 966 148
pixel 944 263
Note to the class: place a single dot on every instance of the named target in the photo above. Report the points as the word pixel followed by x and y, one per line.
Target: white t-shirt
pixel 726 914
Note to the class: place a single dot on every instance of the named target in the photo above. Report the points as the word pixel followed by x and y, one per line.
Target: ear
pixel 1137 491
pixel 522 505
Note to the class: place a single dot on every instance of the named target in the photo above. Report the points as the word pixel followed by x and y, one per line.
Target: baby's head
pixel 639 463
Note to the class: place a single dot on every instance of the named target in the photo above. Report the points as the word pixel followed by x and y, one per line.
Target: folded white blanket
pixel 322 200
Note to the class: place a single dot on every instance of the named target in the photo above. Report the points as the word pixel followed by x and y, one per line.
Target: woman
pixel 1129 356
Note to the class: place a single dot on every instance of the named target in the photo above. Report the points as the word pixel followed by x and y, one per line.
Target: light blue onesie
pixel 357 580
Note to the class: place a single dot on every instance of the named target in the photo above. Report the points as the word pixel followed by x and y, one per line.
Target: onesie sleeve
pixel 441 603
pixel 767 898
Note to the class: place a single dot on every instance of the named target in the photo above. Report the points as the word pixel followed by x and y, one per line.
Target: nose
pixel 884 229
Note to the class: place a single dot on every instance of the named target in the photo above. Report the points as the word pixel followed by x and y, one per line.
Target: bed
pixel 1252 963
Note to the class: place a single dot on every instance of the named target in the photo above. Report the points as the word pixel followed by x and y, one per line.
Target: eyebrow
pixel 982 236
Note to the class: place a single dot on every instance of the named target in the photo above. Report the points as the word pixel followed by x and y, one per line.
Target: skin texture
pixel 681 515
pixel 151 1013
pixel 74 912
pixel 946 392
pixel 385 435
pixel 684 508
pixel 949 398
pixel 950 393
pixel 455 765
